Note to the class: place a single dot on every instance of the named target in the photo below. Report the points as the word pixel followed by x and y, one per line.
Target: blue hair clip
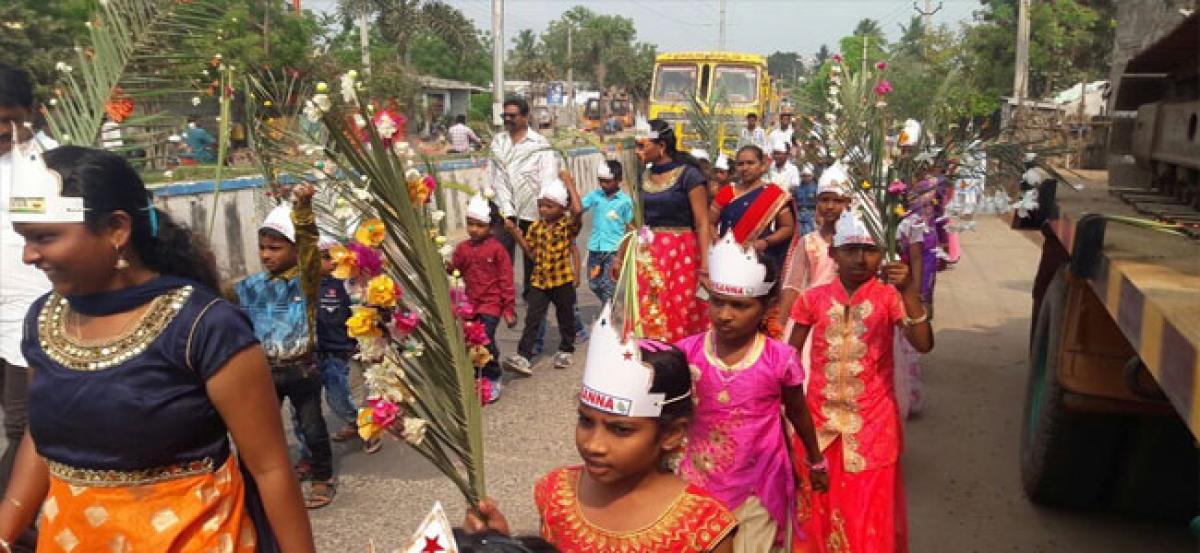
pixel 153 220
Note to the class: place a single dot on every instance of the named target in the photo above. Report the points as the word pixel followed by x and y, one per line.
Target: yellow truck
pixel 728 84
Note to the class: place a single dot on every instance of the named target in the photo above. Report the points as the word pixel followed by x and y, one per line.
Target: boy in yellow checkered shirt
pixel 550 242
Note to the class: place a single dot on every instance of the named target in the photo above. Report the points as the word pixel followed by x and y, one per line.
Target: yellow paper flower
pixel 900 212
pixel 364 322
pixel 367 429
pixel 345 264
pixel 381 292
pixel 371 233
pixel 866 185
pixel 480 356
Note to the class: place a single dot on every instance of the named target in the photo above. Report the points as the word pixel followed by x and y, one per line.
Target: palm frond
pixel 439 378
pixel 135 50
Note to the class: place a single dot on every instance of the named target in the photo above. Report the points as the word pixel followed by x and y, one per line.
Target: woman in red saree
pixel 758 213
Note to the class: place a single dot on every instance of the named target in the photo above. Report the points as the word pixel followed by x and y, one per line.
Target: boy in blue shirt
pixel 281 302
pixel 611 220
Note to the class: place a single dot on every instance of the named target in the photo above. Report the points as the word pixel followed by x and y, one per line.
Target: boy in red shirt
pixel 486 270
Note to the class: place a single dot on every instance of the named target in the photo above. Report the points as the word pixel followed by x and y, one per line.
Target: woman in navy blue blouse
pixel 141 375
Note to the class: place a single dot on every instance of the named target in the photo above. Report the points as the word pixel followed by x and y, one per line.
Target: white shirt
pixel 757 137
pixel 785 134
pixel 787 178
pixel 20 284
pixel 518 171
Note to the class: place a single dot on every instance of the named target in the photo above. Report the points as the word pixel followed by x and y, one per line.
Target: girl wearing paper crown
pixel 675 227
pixel 737 448
pixel 634 409
pixel 143 374
pixel 853 321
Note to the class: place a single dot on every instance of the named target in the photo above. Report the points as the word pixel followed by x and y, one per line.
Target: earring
pixel 122 264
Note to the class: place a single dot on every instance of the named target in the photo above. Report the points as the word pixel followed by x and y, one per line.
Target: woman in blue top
pixel 141 374
pixel 675 236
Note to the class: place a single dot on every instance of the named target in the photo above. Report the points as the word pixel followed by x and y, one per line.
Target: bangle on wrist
pixel 924 318
pixel 822 466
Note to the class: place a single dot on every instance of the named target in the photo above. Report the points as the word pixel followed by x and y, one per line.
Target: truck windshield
pixel 593 109
pixel 674 83
pixel 735 84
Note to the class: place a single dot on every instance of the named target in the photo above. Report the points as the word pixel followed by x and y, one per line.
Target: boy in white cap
pixel 486 271
pixel 613 210
pixel 783 173
pixel 282 304
pixel 550 243
pixel 852 322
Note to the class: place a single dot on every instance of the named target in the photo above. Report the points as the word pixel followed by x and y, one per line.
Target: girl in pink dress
pixel 737 449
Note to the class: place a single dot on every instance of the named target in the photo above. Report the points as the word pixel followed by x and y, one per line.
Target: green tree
pixel 785 65
pixel 870 28
pixel 528 59
pixel 401 22
pixel 35 35
pixel 822 55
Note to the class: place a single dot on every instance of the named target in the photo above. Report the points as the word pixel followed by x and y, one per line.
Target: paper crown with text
pixel 36 195
pixel 735 270
pixel 615 380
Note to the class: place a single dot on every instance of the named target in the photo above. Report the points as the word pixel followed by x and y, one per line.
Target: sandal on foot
pixel 373 445
pixel 345 434
pixel 304 470
pixel 320 494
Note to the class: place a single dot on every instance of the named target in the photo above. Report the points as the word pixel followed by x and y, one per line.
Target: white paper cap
pixel 556 192
pixel 807 169
pixel 36 195
pixel 603 172
pixel 326 242
pixel 834 179
pixel 700 153
pixel 722 162
pixel 478 209
pixel 280 220
pixel 850 230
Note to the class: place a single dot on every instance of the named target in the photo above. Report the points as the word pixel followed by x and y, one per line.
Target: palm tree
pixel 869 28
pixel 401 21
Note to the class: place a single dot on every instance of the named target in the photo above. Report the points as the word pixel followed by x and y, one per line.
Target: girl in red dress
pixel 634 411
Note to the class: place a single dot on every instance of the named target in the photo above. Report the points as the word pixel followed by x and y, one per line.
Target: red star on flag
pixel 432 545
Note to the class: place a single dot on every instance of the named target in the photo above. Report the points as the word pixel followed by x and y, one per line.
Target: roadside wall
pixel 242 204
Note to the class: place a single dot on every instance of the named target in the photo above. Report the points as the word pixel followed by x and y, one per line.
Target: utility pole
pixel 571 72
pixel 497 61
pixel 721 40
pixel 364 42
pixel 1021 75
pixel 927 13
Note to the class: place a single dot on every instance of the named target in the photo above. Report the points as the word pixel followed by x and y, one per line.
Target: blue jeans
pixel 335 378
pixel 603 284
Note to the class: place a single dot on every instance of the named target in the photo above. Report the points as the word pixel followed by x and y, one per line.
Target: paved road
pixel 960 464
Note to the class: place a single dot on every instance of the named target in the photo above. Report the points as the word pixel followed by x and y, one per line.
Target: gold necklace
pixel 57 341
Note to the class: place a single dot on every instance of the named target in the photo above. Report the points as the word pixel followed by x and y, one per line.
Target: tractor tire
pixel 1068 459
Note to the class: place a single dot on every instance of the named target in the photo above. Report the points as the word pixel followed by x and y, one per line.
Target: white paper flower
pixel 14 25
pixel 360 121
pixel 489 193
pixel 195 100
pixel 322 102
pixel 348 95
pixel 54 101
pixel 414 430
pixel 830 117
pixel 63 67
pixel 437 216
pixel 168 174
pixel 412 174
pixel 446 251
pixel 362 194
pixel 386 127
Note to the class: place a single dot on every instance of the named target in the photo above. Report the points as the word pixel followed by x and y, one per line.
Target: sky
pixel 756 26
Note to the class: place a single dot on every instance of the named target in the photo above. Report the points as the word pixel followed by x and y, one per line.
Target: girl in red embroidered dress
pixel 851 394
pixel 625 498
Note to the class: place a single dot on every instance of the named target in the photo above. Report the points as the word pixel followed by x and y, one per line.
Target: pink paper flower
pixel 430 184
pixel 476 333
pixel 405 322
pixel 383 412
pixel 897 187
pixel 881 65
pixel 883 88
pixel 370 263
pixel 837 58
pixel 464 310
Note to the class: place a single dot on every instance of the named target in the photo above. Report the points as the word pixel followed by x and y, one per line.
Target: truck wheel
pixel 1068 459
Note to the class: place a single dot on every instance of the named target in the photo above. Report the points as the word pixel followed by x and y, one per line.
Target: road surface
pixel 960 462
